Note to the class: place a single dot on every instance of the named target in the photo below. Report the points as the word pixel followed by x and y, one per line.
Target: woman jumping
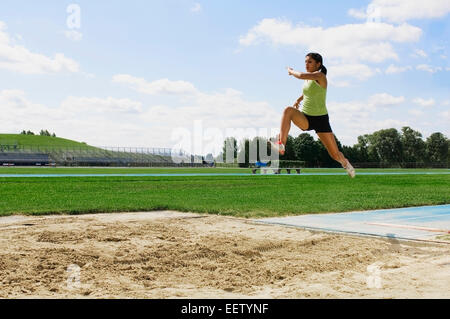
pixel 314 115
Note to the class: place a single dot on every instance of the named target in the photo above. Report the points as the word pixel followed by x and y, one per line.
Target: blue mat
pixel 413 223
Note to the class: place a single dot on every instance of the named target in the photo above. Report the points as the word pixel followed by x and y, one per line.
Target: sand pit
pixel 181 255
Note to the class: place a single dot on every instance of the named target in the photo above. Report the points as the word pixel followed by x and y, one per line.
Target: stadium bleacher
pixel 20 155
pixel 24 158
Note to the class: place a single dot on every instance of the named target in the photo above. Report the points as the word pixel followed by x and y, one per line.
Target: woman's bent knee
pixel 288 110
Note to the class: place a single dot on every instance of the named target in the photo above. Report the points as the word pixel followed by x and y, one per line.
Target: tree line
pixel 41 133
pixel 383 148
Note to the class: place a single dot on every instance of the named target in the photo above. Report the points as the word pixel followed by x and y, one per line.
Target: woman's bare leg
pixel 291 114
pixel 329 142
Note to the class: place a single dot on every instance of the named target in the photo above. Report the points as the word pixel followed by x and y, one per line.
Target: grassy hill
pixel 63 150
pixel 33 141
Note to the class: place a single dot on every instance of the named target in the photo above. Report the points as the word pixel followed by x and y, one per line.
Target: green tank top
pixel 314 97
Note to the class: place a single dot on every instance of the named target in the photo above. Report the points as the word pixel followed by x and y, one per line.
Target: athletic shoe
pixel 350 170
pixel 277 146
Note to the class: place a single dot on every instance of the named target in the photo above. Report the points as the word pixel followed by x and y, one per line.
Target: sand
pixel 169 254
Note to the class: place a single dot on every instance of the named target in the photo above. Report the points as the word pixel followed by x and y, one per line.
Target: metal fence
pixel 400 165
pixel 147 157
pixel 100 156
pixel 145 150
pixel 52 148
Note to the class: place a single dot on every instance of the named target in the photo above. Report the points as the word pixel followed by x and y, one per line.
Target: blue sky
pixel 140 73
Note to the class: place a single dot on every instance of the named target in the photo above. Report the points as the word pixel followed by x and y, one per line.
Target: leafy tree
pixel 324 157
pixel 44 133
pixel 413 145
pixel 306 149
pixel 437 148
pixel 289 154
pixel 361 149
pixel 387 145
pixel 351 153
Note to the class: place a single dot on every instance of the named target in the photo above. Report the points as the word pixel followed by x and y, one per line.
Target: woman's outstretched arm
pixel 306 75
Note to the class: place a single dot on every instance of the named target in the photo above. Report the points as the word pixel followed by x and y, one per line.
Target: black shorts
pixel 321 123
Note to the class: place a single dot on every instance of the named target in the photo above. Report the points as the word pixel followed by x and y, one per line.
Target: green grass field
pixel 244 196
pixel 158 170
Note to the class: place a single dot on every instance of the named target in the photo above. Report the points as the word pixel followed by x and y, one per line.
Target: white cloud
pixel 392 69
pixel 19 59
pixel 97 121
pixel 196 8
pixel 106 122
pixel 347 126
pixel 162 86
pixel 124 122
pixel 384 99
pixel 19 113
pixel 423 102
pixel 356 42
pixel 12 99
pixel 419 53
pixel 428 68
pixel 416 112
pixel 358 13
pixel 218 111
pixel 227 107
pixel 353 118
pixel 73 35
pixel 445 115
pixel 113 121
pixel 372 104
pixel 316 20
pixel 75 105
pixel 398 11
pixel 340 83
pixel 345 48
pixel 359 71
